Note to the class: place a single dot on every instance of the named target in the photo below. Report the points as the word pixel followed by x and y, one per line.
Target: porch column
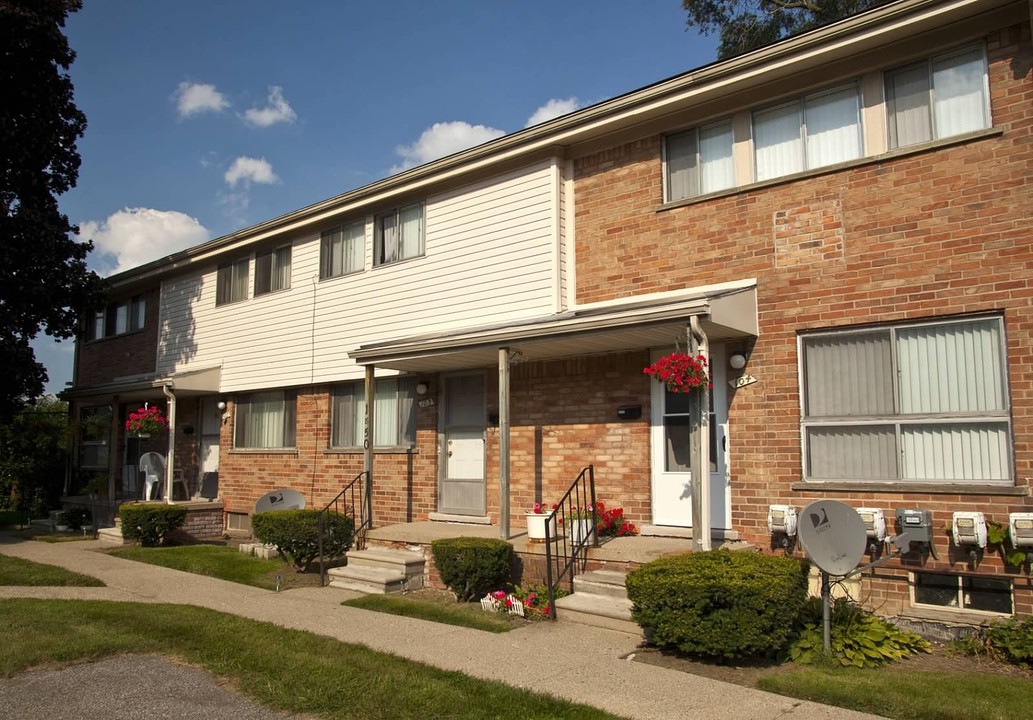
pixel 700 444
pixel 504 443
pixel 367 438
pixel 170 459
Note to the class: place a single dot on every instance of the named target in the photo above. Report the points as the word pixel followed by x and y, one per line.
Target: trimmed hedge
pixel 472 567
pixel 295 533
pixel 150 523
pixel 76 518
pixel 720 604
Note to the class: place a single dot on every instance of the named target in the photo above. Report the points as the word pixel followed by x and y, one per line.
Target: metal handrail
pixel 570 552
pixel 354 501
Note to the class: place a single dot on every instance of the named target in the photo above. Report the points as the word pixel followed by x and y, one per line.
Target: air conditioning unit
pixel 874 522
pixel 969 528
pixel 782 520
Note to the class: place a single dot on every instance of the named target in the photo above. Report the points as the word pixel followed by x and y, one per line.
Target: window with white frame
pixel 118 318
pixel 273 270
pixel 341 250
pixel 917 402
pixel 265 420
pixel 394 414
pixel 963 592
pixel 399 235
pixel 699 161
pixel 231 282
pixel 938 98
pixel 807 133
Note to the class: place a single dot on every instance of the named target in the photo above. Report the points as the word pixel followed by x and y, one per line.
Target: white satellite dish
pixel 285 499
pixel 833 536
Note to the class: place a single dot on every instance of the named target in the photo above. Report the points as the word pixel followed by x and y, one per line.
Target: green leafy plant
pixel 997 536
pixel 472 567
pixel 1008 640
pixel 150 523
pixel 858 638
pixel 720 604
pixel 76 518
pixel 295 533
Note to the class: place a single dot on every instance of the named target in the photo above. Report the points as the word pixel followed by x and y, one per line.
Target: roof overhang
pixel 727 311
pixel 202 381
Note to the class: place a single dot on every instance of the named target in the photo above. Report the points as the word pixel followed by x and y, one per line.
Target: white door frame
pixel 471 439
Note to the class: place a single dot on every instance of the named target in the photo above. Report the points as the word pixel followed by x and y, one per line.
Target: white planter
pixel 580 530
pixel 61 528
pixel 536 527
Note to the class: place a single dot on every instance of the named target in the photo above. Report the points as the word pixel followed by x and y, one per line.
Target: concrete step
pixel 385 558
pixel 608 583
pixel 111 536
pixel 369 580
pixel 599 611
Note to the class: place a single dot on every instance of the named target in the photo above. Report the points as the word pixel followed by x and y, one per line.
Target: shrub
pixel 719 604
pixel 295 533
pixel 1008 640
pixel 150 523
pixel 472 567
pixel 76 518
pixel 857 638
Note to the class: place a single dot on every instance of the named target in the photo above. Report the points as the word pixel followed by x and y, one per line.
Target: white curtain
pixel 281 279
pixel 411 221
pixel 682 178
pixel 717 171
pixel 266 420
pixel 240 280
pixel 385 414
pixel 907 95
pixel 958 87
pixel 777 141
pixel 353 243
pixel 389 238
pixel 833 128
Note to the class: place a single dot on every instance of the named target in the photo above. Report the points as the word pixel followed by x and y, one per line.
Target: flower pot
pixel 582 531
pixel 536 526
pixel 61 528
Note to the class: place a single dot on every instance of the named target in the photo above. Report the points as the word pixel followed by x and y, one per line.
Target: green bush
pixel 1008 640
pixel 472 567
pixel 720 604
pixel 857 638
pixel 76 518
pixel 150 523
pixel 295 533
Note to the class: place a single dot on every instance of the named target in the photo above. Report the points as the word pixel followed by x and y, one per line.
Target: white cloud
pixel 442 139
pixel 250 170
pixel 553 109
pixel 195 98
pixel 135 236
pixel 278 110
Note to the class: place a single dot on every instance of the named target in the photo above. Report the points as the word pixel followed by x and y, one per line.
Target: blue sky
pixel 206 117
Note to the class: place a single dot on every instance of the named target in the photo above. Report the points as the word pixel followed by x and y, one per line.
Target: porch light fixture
pixel 221 405
pixel 737 361
pixel 422 388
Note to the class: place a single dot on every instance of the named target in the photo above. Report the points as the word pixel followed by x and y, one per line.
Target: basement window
pixel 963 592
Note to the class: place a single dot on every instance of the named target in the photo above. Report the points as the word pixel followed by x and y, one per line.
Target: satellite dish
pixel 285 499
pixel 833 536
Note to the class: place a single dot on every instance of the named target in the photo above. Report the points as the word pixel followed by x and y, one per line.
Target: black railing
pixel 574 524
pixel 356 502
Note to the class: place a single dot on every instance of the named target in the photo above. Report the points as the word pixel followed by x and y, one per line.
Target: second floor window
pixel 399 235
pixel 118 318
pixel 699 161
pixel 231 282
pixel 265 420
pixel 341 250
pixel 273 270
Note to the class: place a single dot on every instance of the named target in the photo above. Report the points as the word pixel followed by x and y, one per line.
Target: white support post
pixel 504 443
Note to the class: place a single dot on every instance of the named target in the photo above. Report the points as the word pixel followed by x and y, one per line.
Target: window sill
pixel 127 333
pixel 912 488
pixel 838 167
pixel 400 450
pixel 948 616
pixel 264 451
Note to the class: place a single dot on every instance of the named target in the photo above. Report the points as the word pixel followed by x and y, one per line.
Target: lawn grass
pixel 291 670
pixel 912 695
pixel 466 615
pixel 212 560
pixel 15 571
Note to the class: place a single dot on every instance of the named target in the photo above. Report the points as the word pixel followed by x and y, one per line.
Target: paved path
pixel 576 662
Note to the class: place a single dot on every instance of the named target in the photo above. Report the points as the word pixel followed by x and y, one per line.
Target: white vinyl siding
pixel 699 161
pixel 341 250
pixel 273 270
pixel 265 420
pixel 394 413
pixel 399 235
pixel 232 282
pixel 923 403
pixel 812 132
pixel 938 98
pixel 492 256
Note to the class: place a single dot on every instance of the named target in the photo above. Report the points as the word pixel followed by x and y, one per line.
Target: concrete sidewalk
pixel 575 662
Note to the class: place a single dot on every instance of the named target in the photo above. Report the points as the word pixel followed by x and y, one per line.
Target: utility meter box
pixel 918 524
pixel 969 528
pixel 874 522
pixel 1020 529
pixel 782 520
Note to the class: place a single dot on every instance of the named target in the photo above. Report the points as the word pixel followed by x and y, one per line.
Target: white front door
pixel 669 435
pixel 461 489
pixel 211 421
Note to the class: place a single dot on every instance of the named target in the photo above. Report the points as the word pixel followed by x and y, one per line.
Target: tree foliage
pixel 745 25
pixel 44 282
pixel 32 457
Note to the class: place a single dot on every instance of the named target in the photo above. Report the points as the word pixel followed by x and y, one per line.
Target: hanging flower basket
pixel 146 421
pixel 680 372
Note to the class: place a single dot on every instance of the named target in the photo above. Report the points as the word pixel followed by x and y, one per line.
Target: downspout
pixel 170 459
pixel 701 473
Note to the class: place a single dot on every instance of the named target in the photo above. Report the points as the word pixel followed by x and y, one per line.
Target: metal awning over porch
pixel 726 311
pixel 201 381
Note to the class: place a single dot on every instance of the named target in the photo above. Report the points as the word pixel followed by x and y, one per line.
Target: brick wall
pixel 134 353
pixel 937 233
